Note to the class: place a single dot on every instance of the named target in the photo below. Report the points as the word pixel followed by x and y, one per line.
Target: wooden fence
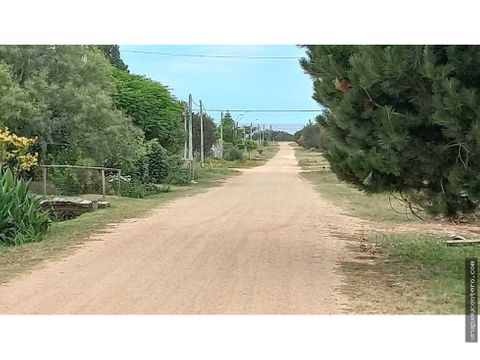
pixel 102 169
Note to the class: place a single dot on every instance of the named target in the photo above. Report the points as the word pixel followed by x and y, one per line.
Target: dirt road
pixel 265 242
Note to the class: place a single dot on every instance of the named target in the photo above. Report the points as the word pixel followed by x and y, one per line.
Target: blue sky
pixel 232 83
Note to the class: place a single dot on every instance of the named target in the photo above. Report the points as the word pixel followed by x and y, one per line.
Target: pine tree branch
pixel 380 106
pixel 393 208
pixel 459 155
pixel 413 210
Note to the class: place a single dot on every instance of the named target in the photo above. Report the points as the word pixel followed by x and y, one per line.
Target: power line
pixel 195 102
pixel 225 56
pixel 267 110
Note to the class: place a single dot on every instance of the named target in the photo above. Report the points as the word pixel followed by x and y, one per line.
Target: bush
pixel 137 189
pixel 179 176
pixel 15 151
pixel 71 181
pixel 233 153
pixel 138 170
pixel 310 136
pixel 156 165
pixel 250 145
pixel 66 181
pixel 21 218
pixel 158 162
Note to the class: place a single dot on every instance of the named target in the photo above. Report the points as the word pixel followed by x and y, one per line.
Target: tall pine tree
pixel 403 119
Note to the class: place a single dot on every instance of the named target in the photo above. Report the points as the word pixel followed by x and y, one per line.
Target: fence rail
pixel 102 169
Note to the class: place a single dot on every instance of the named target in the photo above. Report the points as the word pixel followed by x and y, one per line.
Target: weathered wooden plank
pixel 103 204
pixel 463 242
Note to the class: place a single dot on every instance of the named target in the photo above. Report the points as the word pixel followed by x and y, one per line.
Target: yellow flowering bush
pixel 15 151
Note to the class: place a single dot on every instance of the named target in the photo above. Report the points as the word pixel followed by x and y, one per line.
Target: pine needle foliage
pixel 402 119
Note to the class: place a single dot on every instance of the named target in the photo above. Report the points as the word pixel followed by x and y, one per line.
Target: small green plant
pixel 22 219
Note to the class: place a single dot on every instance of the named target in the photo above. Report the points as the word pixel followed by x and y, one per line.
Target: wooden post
pixel 202 155
pixel 221 127
pixel 44 171
pixel 185 146
pixel 244 140
pixel 192 172
pixel 103 185
pixel 221 135
pixel 190 128
pixel 119 181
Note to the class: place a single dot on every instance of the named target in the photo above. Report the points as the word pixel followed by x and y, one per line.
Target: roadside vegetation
pixel 402 119
pixel 404 272
pixel 63 237
pixel 375 207
pixel 80 107
pixel 407 273
pixel 399 121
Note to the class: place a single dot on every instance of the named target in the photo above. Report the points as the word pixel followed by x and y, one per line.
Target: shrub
pixel 250 145
pixel 14 151
pixel 312 136
pixel 138 170
pixel 156 165
pixel 137 189
pixel 233 153
pixel 178 174
pixel 72 181
pixel 158 161
pixel 21 218
pixel 66 181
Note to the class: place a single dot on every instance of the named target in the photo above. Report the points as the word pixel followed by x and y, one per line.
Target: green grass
pixel 412 274
pixel 374 207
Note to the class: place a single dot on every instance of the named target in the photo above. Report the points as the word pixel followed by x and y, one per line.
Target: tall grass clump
pixel 22 219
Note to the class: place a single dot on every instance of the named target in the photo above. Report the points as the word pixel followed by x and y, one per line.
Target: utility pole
pixel 221 135
pixel 251 131
pixel 234 132
pixel 258 135
pixel 190 129
pixel 244 140
pixel 221 127
pixel 186 140
pixel 202 155
pixel 263 135
pixel 271 134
